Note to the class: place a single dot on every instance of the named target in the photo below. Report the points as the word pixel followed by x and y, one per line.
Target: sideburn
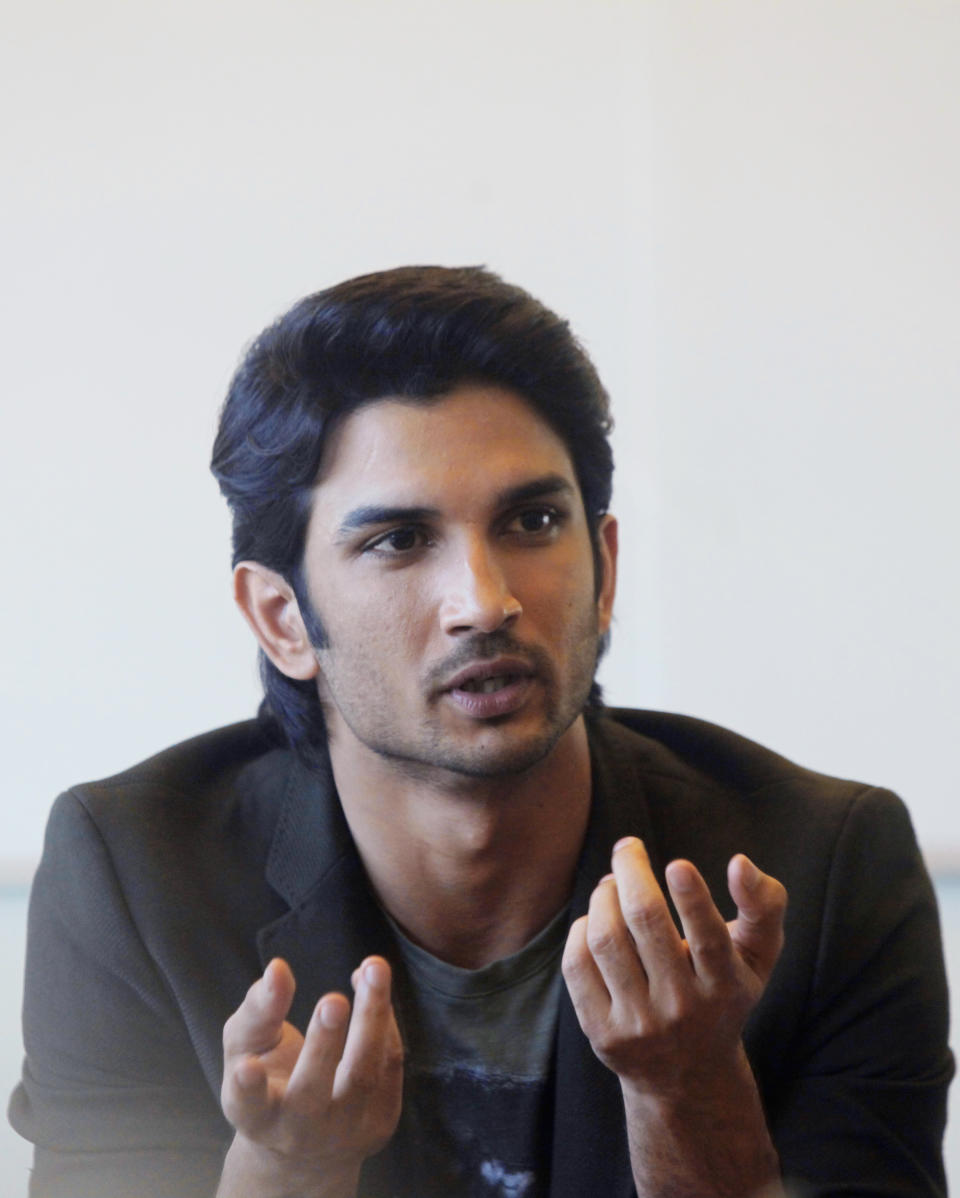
pixel 311 621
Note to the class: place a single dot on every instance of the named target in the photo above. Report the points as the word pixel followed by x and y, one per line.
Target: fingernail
pixel 749 874
pixel 624 841
pixel 332 1014
pixel 607 878
pixel 376 975
pixel 680 877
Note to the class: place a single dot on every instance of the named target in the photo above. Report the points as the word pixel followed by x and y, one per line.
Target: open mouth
pixel 488 686
pixel 486 690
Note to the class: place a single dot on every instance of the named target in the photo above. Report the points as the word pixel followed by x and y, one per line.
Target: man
pixel 433 809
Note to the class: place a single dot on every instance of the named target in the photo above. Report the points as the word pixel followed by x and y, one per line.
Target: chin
pixel 492 755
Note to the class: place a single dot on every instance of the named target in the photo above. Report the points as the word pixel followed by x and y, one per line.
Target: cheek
pixel 558 591
pixel 395 617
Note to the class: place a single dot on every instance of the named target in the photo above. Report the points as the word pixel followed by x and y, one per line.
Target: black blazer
pixel 164 891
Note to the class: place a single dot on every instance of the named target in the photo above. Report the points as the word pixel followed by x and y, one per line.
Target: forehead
pixel 475 440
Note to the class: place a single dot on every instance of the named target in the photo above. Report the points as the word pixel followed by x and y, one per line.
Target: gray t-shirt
pixel 479 1043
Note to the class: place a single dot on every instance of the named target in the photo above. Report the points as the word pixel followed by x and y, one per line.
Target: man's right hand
pixel 308 1110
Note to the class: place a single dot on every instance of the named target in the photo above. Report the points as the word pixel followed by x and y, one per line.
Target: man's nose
pixel 477 596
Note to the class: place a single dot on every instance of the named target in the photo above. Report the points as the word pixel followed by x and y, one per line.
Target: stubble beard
pixel 436 751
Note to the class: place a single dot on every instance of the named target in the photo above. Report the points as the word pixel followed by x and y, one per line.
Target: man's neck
pixel 470 868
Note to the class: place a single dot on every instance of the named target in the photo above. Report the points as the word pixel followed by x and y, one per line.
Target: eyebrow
pixel 536 488
pixel 372 515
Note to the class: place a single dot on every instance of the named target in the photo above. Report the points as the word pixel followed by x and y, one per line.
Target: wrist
pixel 720 1076
pixel 252 1170
pixel 707 1137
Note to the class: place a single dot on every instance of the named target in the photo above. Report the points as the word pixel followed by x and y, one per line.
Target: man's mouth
pixel 488 689
pixel 487 677
pixel 487 686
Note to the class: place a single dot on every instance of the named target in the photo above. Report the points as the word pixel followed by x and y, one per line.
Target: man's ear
pixel 271 609
pixel 607 539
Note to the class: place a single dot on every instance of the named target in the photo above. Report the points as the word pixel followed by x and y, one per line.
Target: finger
pixel 311 1081
pixel 585 984
pixel 711 952
pixel 373 1039
pixel 612 946
pixel 255 1026
pixel 245 1094
pixel 757 932
pixel 646 914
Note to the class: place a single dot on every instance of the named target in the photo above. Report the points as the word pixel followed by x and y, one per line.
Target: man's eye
pixel 398 540
pixel 535 521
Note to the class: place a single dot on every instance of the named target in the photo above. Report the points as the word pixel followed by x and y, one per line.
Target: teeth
pixel 487 686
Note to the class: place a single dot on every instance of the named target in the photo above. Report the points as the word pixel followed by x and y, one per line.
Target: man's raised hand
pixel 308 1110
pixel 666 1014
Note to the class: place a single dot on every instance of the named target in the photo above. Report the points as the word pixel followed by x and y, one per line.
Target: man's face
pixel 448 559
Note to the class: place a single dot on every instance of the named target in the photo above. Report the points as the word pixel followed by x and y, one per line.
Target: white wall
pixel 806 307
pixel 747 209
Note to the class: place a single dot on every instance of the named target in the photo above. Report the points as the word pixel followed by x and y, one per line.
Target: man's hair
pixel 414 333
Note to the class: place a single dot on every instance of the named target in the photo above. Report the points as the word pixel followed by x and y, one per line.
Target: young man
pixel 435 814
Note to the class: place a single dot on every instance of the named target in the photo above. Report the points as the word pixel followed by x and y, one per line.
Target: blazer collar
pixel 334 920
pixel 311 833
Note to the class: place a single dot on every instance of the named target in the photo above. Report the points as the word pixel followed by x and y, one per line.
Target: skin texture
pixel 448 541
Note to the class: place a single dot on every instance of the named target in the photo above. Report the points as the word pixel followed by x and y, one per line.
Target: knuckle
pixel 602 940
pixel 575 949
pixel 393 1061
pixel 678 1011
pixel 610 1042
pixel 573 963
pixel 605 1038
pixel 362 1081
pixel 235 1109
pixel 233 1032
pixel 715 951
pixel 644 914
pixel 605 1045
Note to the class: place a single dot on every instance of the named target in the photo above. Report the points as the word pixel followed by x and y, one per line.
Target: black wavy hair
pixel 415 333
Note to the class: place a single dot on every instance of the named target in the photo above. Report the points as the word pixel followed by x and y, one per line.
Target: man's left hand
pixel 666 1015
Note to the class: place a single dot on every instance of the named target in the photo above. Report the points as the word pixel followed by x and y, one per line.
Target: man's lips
pixel 481 676
pixel 487 689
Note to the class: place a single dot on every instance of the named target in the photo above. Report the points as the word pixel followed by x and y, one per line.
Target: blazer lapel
pixel 333 921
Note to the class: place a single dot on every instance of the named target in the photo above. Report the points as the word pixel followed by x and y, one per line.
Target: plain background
pixel 748 211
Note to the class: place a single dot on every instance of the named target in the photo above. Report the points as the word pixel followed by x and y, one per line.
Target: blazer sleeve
pixel 112 1094
pixel 864 1109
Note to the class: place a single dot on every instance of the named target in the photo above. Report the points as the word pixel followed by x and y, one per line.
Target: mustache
pixel 484 646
